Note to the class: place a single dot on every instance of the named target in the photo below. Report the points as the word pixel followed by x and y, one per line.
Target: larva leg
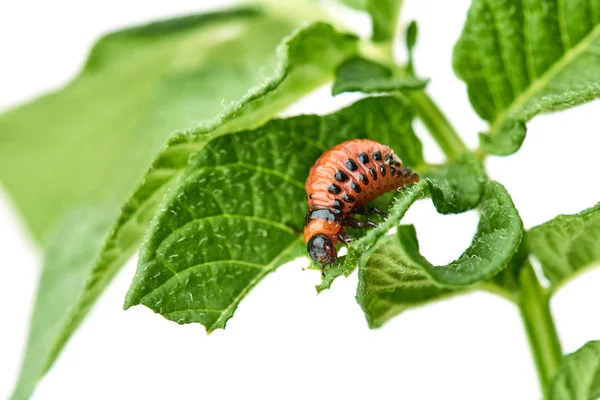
pixel 345 237
pixel 364 211
pixel 375 210
pixel 355 223
pixel 360 209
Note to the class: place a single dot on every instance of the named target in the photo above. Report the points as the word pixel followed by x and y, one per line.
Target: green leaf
pixel 458 186
pixel 303 62
pixel 62 284
pixel 238 213
pixel 578 377
pixel 520 59
pixel 567 245
pixel 389 285
pixel 359 74
pixel 332 272
pixel 497 239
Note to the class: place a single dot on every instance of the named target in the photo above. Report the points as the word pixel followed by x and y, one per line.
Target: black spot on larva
pixel 373 173
pixel 397 163
pixel 363 158
pixel 348 198
pixel 392 171
pixel 363 178
pixel 377 156
pixel 382 169
pixel 340 176
pixel 334 189
pixel 389 159
pixel 355 187
pixel 351 165
pixel 338 205
pixel 310 196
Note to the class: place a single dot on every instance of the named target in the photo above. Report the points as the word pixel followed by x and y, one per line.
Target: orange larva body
pixel 346 177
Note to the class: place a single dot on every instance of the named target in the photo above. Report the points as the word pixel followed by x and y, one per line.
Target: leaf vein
pixel 264 170
pixel 231 216
pixel 199 266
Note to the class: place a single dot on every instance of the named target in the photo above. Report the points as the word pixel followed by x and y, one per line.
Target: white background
pixel 284 341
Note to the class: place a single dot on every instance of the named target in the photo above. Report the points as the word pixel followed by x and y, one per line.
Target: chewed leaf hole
pixel 442 238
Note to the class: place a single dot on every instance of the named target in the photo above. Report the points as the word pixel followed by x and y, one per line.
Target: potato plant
pixel 169 141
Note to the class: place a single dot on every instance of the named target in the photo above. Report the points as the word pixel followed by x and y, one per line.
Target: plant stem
pixel 433 118
pixel 437 124
pixel 534 305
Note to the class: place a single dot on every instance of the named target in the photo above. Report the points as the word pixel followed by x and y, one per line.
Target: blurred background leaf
pixel 92 141
pixel 62 283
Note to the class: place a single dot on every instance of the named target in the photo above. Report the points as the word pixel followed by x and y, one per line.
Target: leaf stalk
pixel 534 306
pixel 437 124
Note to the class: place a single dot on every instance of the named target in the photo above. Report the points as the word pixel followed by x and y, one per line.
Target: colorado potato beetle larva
pixel 340 183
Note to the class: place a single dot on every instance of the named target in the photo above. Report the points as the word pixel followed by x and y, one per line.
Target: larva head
pixel 320 232
pixel 321 249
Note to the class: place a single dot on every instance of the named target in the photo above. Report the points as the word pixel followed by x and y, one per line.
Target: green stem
pixel 437 124
pixel 534 305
